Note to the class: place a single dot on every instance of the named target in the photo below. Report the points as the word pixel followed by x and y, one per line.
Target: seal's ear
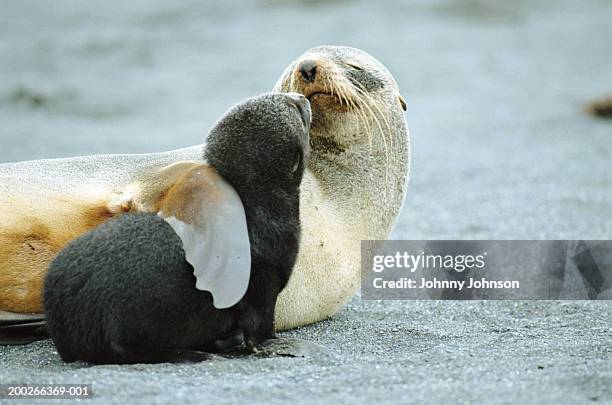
pixel 207 214
pixel 402 101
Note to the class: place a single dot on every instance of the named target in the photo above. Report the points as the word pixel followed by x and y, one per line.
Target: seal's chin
pixel 325 109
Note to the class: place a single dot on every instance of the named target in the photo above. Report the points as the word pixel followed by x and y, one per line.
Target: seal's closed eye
pixel 354 66
pixel 299 156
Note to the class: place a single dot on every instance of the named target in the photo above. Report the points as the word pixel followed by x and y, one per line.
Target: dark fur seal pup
pixel 126 291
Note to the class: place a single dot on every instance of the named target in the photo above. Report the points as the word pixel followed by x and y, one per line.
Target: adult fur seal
pixel 353 188
pixel 126 293
pixel 356 177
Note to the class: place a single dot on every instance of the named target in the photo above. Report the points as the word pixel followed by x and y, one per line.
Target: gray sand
pixel 501 149
pixel 388 352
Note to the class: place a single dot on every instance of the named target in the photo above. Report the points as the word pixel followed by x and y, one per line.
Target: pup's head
pixel 261 144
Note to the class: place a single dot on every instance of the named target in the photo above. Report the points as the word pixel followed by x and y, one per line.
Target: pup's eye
pixel 297 161
pixel 353 66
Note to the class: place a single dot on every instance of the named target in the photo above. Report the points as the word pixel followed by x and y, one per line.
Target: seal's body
pixel 45 204
pixel 355 180
pixel 353 188
pixel 125 292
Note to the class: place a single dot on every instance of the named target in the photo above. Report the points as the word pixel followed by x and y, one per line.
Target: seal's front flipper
pixel 207 214
pixel 162 356
pixel 21 329
pixel 232 342
pixel 12 318
pixel 182 356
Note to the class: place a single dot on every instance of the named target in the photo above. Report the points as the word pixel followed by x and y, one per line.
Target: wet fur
pixel 124 293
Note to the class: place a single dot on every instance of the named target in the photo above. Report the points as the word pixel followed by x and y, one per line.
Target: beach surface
pixel 501 149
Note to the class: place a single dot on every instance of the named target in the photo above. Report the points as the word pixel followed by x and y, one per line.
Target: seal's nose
pixel 308 70
pixel 303 106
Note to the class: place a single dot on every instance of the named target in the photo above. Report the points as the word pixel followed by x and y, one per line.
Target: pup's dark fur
pixel 124 292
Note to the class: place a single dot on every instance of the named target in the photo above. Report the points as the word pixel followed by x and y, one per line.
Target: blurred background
pixel 501 145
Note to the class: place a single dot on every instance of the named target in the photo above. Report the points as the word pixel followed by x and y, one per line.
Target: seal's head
pixel 261 144
pixel 347 89
pixel 358 120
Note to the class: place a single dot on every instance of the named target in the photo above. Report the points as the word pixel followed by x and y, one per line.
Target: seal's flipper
pixel 12 318
pixel 168 356
pixel 20 329
pixel 207 214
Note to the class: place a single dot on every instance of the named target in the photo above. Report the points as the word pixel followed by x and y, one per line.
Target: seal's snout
pixel 303 106
pixel 308 70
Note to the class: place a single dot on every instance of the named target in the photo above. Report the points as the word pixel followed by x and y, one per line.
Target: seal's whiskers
pixel 354 105
pixel 382 133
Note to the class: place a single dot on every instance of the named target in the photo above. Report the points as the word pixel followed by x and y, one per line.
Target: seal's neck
pixel 367 183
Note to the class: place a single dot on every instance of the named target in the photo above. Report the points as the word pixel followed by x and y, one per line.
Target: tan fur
pixel 194 191
pixel 31 234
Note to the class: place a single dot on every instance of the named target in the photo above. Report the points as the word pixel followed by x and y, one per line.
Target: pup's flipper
pixel 21 329
pixel 207 214
pixel 166 356
pixel 181 356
